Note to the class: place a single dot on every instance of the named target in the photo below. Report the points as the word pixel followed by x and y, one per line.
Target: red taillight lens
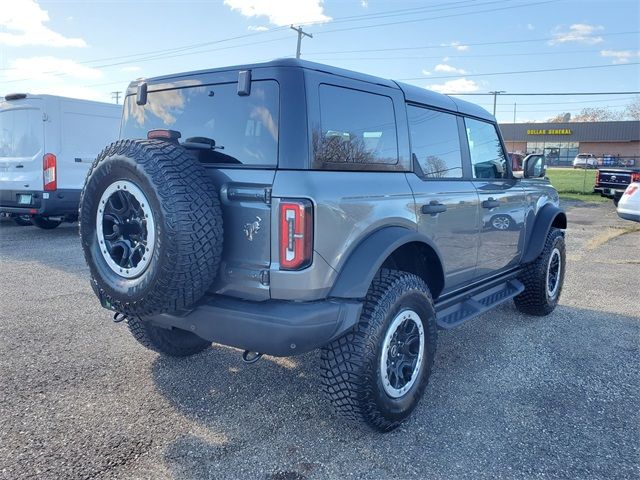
pixel 50 174
pixel 296 234
pixel 597 176
pixel 631 190
pixel 635 177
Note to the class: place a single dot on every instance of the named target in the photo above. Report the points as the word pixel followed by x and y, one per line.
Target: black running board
pixel 468 305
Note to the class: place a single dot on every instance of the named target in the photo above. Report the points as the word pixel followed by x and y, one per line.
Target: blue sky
pixel 89 49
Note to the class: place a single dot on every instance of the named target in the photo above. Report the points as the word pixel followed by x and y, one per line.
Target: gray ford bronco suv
pixel 289 206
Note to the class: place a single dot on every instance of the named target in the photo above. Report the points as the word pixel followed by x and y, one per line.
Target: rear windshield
pixel 20 132
pixel 244 128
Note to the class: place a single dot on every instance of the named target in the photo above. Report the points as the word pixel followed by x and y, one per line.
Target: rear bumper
pixel 273 327
pixel 60 202
pixel 609 192
pixel 634 217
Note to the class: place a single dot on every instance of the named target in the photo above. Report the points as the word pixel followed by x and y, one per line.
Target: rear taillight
pixel 296 234
pixel 50 174
pixel 631 190
pixel 597 176
pixel 635 177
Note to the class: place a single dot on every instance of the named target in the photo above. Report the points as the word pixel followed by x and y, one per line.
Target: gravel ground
pixel 511 396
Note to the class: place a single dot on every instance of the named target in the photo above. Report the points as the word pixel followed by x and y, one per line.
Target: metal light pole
pixel 495 97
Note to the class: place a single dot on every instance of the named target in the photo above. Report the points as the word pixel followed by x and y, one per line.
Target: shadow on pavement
pixel 511 395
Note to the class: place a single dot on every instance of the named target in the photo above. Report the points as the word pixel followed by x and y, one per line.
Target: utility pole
pixel 495 97
pixel 116 96
pixel 514 112
pixel 301 33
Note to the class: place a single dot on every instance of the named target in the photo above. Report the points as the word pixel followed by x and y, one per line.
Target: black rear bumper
pixel 610 192
pixel 273 327
pixel 58 203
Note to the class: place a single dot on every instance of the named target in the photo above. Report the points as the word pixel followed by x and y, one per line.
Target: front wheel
pixel 543 278
pixel 377 373
pixel 45 222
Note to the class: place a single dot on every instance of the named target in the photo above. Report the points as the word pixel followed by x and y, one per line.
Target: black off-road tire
pixel 173 342
pixel 188 227
pixel 351 374
pixel 45 223
pixel 23 220
pixel 616 200
pixel 535 299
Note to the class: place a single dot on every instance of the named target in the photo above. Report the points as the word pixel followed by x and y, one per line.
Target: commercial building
pixel 613 143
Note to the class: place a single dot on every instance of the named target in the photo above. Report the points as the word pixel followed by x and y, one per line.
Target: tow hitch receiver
pixel 251 357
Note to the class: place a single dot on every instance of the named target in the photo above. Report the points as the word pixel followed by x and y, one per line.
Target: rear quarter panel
pixel 348 206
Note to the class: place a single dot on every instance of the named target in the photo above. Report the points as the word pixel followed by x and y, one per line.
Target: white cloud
pixel 578 32
pixel 460 85
pixel 443 67
pixel 48 70
pixel 426 72
pixel 364 3
pixel 22 24
pixel 132 68
pixel 282 12
pixel 621 56
pixel 457 45
pixel 530 26
pixel 257 28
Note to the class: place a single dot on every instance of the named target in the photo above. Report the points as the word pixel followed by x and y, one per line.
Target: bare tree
pixel 632 111
pixel 560 118
pixel 596 114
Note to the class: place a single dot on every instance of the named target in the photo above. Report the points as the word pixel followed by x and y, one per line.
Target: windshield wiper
pixel 201 143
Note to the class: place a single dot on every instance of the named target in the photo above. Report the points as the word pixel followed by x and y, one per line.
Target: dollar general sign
pixel 550 131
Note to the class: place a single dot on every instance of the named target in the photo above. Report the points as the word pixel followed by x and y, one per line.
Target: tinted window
pixel 20 132
pixel 246 126
pixel 435 142
pixel 355 128
pixel 487 155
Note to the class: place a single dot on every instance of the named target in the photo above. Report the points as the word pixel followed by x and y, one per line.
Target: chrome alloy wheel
pixel 554 269
pixel 125 229
pixel 501 223
pixel 402 353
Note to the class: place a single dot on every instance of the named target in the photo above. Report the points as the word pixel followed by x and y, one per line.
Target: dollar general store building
pixel 611 142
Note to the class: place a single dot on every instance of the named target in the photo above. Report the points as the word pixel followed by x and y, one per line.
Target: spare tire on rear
pixel 151 227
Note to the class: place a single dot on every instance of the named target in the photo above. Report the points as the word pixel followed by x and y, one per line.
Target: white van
pixel 47 144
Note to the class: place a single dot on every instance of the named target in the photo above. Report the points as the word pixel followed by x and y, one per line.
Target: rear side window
pixel 355 128
pixel 435 142
pixel 487 156
pixel 244 128
pixel 20 132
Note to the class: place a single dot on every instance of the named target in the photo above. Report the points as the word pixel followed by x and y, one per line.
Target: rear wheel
pixel 377 373
pixel 45 222
pixel 171 342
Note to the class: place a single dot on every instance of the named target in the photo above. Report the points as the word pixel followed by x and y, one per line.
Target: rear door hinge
pixel 267 195
pixel 265 278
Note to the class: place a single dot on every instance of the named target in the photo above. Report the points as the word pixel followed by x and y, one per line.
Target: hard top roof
pixel 412 93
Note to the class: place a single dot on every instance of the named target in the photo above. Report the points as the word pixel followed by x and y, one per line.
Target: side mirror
pixel 534 167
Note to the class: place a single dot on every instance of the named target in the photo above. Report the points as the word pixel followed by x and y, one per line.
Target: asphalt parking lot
pixel 511 396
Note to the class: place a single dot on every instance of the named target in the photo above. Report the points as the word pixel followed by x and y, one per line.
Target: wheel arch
pixel 548 217
pixel 393 247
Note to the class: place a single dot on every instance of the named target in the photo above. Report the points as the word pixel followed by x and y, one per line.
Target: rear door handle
pixel 433 208
pixel 491 203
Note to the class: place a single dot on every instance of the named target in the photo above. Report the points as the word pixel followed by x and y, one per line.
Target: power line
pixel 552 93
pixel 583 67
pixel 478 44
pixel 439 17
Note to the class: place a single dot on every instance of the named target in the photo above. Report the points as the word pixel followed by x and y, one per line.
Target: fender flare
pixel 548 216
pixel 357 272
